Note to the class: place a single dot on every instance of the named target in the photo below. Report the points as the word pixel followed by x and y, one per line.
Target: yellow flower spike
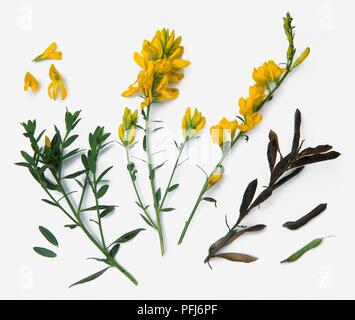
pixel 191 126
pixel 30 82
pixel 302 57
pixel 47 142
pixel 56 84
pixel 213 179
pixel 49 53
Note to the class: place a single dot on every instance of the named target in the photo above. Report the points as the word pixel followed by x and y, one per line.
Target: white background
pixel 224 41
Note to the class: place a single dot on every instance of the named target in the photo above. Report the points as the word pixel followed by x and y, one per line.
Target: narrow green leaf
pixel 102 191
pixel 173 187
pixel 27 157
pixel 114 250
pixel 44 252
pixel 158 195
pixel 48 235
pixel 103 174
pixel 70 140
pixel 71 226
pixel 23 164
pixel 106 212
pixel 128 236
pixel 90 278
pixel 147 221
pixel 75 174
pixel 167 209
pixel 209 199
pixel 100 207
pixel 50 202
pixel 145 143
pixel 159 166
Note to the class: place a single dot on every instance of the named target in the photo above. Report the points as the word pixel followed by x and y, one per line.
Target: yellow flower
pixel 230 126
pixel 269 71
pixel 49 53
pixel 161 62
pixel 213 179
pixel 251 121
pixel 257 93
pixel 302 57
pixel 30 81
pixel 192 125
pixel 246 106
pixel 47 142
pixel 56 84
pixel 217 134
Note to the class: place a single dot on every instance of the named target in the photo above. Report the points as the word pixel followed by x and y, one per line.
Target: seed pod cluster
pixel 282 169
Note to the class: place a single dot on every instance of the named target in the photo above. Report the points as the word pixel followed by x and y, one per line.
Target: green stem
pixel 181 149
pixel 240 134
pixel 98 211
pixel 152 180
pixel 143 207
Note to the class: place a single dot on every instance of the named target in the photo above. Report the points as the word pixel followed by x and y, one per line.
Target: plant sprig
pixel 288 167
pixel 46 166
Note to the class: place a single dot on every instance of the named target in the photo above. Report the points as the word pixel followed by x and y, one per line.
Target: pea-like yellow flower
pixel 161 62
pixel 213 179
pixel 222 130
pixel 269 71
pixel 30 82
pixel 56 85
pixel 49 53
pixel 192 125
pixel 230 126
pixel 127 129
pixel 217 134
pixel 302 57
pixel 251 120
pixel 47 142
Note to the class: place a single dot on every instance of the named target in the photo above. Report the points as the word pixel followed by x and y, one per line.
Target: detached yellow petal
pixel 49 53
pixel 30 82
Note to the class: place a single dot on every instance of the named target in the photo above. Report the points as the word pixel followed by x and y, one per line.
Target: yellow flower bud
pixel 213 179
pixel 191 126
pixel 47 142
pixel 121 133
pixel 302 57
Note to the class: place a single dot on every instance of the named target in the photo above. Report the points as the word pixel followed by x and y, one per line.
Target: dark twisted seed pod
pixel 298 254
pixel 294 225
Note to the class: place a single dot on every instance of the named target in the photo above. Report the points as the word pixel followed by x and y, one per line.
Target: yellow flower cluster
pixel 127 129
pixel 248 107
pixel 161 62
pixel 192 125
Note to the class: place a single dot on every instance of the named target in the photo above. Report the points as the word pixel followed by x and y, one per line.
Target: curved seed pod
pixel 319 149
pixel 248 198
pixel 298 254
pixel 236 257
pixel 222 242
pixel 294 225
pixel 297 134
pixel 288 177
pixel 315 158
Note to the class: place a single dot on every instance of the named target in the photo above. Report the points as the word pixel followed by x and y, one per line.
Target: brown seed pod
pixel 236 257
pixel 294 225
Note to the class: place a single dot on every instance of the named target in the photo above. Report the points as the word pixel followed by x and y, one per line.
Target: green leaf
pixel 23 164
pixel 159 166
pixel 44 252
pixel 90 278
pixel 50 202
pixel 158 195
pixel 106 212
pixel 147 221
pixel 100 207
pixel 103 174
pixel 71 226
pixel 70 140
pixel 167 209
pixel 114 250
pixel 48 235
pixel 71 153
pixel 145 143
pixel 128 236
pixel 209 199
pixel 102 191
pixel 75 174
pixel 27 157
pixel 69 120
pixel 173 187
